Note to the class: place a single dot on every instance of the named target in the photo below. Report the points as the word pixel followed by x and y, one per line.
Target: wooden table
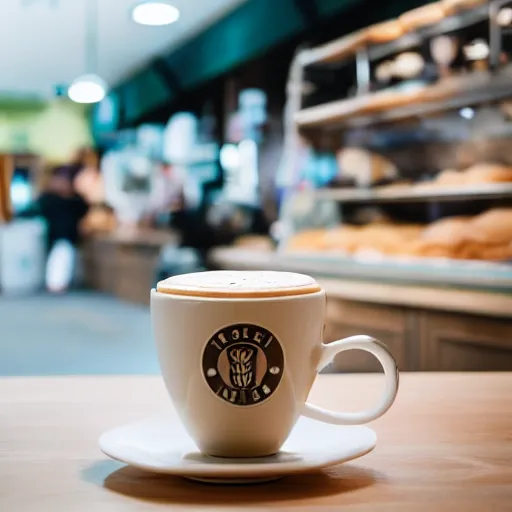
pixel 446 445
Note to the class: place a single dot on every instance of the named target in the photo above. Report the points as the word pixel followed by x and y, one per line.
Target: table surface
pixel 446 445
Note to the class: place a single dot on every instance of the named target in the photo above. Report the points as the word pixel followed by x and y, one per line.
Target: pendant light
pixel 155 13
pixel 89 88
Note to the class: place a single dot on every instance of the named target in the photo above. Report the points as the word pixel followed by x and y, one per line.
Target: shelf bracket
pixel 495 33
pixel 363 71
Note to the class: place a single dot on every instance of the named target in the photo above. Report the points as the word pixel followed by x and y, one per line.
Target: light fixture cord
pixel 91 36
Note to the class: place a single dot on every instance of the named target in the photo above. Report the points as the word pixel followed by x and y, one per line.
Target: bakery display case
pixel 438 207
pixel 411 232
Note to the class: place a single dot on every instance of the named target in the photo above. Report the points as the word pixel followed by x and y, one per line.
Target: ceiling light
pixel 155 13
pixel 87 89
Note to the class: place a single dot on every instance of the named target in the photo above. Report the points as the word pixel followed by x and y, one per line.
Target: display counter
pixel 427 326
pixel 123 263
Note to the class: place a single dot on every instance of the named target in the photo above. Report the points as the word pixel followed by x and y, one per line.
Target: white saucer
pixel 163 446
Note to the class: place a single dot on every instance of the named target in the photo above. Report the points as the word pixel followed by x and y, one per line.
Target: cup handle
pixel 388 363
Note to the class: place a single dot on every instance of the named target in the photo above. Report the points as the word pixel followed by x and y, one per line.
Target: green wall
pixel 53 130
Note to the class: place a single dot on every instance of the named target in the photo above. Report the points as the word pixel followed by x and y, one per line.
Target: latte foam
pixel 239 283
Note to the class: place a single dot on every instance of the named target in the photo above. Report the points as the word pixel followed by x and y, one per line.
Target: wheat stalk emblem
pixel 242 366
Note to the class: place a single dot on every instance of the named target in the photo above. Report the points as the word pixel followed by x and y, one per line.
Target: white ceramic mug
pixel 239 368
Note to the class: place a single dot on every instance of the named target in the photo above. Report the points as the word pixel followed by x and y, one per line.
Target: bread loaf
pixel 477 174
pixel 492 227
pixel 309 240
pixel 440 239
pixel 365 167
pixel 488 173
pixel 484 237
pixel 449 231
pixel 454 6
pixel 384 32
pixel 408 65
pixel 344 239
pixel 485 252
pixel 384 71
pixel 259 243
pixel 422 16
pixel 449 177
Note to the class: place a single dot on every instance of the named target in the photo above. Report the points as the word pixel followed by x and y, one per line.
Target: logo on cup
pixel 243 364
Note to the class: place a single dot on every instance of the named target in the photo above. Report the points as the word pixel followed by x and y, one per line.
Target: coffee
pixel 239 352
pixel 239 284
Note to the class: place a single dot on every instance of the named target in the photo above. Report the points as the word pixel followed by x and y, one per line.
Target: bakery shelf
pixel 335 51
pixel 392 105
pixel 470 287
pixel 344 48
pixel 414 193
pixel 449 24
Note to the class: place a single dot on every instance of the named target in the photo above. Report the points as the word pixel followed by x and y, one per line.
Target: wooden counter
pixel 426 327
pixel 124 263
pixel 443 446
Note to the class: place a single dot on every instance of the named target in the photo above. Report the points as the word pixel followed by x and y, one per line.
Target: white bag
pixel 60 266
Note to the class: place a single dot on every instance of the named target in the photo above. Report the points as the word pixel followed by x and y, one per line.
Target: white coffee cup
pixel 239 352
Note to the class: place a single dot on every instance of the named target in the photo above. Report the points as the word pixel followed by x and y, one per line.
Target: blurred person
pixel 166 196
pixel 216 222
pixel 83 158
pixel 62 209
pixel 88 183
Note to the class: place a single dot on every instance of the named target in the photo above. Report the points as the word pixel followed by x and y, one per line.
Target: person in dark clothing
pixel 63 210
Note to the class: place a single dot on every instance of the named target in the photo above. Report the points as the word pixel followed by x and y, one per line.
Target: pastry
pixel 485 252
pixel 444 51
pixel 449 177
pixel 426 15
pixel 448 231
pixel 493 227
pixel 408 65
pixel 344 238
pixel 386 238
pixel 496 253
pixel 423 249
pixel 486 237
pixel 477 52
pixel 260 243
pixel 384 71
pixel 384 32
pixel 488 173
pixel 454 6
pixel 504 17
pixel 440 239
pixel 364 166
pixel 310 240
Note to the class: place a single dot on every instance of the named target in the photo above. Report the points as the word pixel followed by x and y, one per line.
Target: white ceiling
pixel 42 42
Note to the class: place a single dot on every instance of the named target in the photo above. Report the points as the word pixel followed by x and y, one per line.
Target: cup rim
pixel 199 298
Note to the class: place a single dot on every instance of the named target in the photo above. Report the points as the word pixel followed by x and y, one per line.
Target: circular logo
pixel 243 364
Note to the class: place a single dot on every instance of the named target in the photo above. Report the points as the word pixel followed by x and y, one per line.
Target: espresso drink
pixel 239 352
pixel 239 284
